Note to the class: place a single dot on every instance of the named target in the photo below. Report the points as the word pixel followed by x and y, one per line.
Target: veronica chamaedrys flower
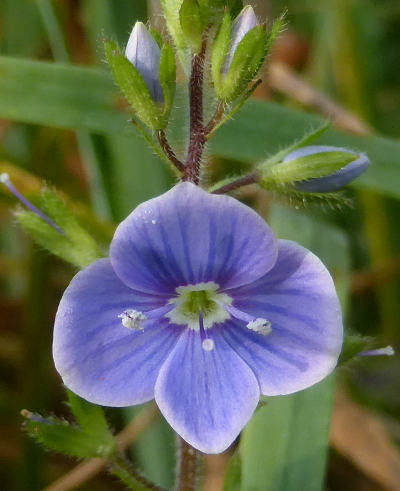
pixel 200 307
pixel 244 23
pixel 144 54
pixel 332 182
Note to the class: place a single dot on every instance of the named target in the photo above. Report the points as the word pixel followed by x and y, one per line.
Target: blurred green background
pixel 66 126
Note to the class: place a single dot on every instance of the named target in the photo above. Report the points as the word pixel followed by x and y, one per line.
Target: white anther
pixel 208 344
pixel 4 178
pixel 132 319
pixel 154 222
pixel 262 326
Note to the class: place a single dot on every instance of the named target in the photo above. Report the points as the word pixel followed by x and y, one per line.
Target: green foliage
pixel 71 91
pixel 133 86
pixel 233 475
pixel 76 246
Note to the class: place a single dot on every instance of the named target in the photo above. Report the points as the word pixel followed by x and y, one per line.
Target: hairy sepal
pixel 76 247
pixel 247 61
pixel 220 50
pixel 168 80
pixel 133 87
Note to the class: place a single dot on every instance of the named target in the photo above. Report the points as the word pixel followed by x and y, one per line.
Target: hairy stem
pixel 197 137
pixel 188 464
pixel 164 144
pixel 238 183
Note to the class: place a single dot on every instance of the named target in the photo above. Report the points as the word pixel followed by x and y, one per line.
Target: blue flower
pixel 201 308
pixel 335 181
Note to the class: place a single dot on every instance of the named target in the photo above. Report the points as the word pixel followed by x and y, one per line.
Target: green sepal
pixel 63 437
pixel 168 79
pixel 192 25
pixel 133 86
pixel 307 139
pixel 157 37
pixel 307 167
pixel 246 63
pixel 354 344
pixel 219 52
pixel 91 419
pixel 76 246
pixel 171 9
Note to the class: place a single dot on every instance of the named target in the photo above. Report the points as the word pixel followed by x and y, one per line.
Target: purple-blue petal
pixel 98 358
pixel 206 396
pixel 298 297
pixel 188 236
pixel 332 182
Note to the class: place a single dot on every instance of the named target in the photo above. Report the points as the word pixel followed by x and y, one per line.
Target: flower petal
pixel 206 396
pixel 298 297
pixel 98 358
pixel 189 236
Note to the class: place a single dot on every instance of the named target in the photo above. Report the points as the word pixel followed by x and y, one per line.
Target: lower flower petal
pixel 298 297
pixel 98 358
pixel 206 396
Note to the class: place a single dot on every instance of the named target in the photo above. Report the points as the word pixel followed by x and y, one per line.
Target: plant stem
pixel 164 144
pixel 242 181
pixel 188 464
pixel 197 137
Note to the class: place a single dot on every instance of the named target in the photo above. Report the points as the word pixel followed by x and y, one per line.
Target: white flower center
pixel 193 299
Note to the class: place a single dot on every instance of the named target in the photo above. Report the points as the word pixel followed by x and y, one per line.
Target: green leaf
pixel 233 475
pixel 220 49
pixel 284 447
pixel 191 23
pixel 133 86
pixel 246 63
pixel 168 79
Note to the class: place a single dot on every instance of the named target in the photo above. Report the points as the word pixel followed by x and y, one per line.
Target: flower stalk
pixel 188 467
pixel 197 137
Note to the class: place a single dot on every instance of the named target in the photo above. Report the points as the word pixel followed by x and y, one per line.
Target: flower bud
pixel 144 54
pixel 348 168
pixel 244 23
pixel 238 52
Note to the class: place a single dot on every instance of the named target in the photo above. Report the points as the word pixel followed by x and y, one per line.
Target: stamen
pixel 5 179
pixel 259 325
pixel 262 326
pixel 132 319
pixel 387 351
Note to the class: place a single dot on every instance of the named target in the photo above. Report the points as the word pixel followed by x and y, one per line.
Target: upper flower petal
pixel 206 396
pixel 298 297
pixel 96 356
pixel 189 236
